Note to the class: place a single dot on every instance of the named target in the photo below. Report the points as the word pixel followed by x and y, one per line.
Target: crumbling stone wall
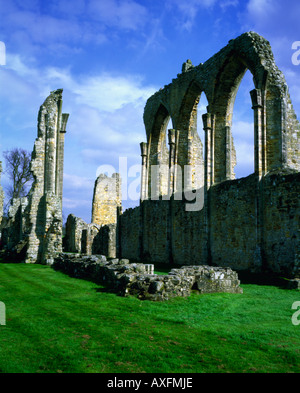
pixel 244 224
pixel 276 128
pixel 233 229
pixel 87 238
pixel 107 199
pixel 41 219
pixel 281 223
pixel 129 233
pixel 247 224
pixel 105 241
pixel 233 235
pixel 91 238
pixel 12 234
pixel 101 235
pixel 44 212
pixel 73 237
pixel 138 279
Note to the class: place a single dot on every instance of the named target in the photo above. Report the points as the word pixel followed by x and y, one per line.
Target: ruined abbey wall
pixel 276 128
pixel 248 224
pixel 281 223
pixel 34 228
pixel 107 198
pixel 192 209
pixel 232 234
pixel 99 236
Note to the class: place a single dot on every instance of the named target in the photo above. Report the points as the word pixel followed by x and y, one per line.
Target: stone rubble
pixel 139 280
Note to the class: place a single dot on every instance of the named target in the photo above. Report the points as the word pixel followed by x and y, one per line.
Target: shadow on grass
pixel 246 277
pixel 266 279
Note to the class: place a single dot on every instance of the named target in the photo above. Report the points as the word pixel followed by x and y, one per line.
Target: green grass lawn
pixel 55 323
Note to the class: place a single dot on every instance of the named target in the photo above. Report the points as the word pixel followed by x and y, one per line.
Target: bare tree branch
pixel 17 165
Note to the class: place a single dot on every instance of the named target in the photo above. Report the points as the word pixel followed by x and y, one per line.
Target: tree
pixel 18 170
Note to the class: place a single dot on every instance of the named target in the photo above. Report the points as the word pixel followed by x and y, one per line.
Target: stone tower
pixel 44 210
pixel 107 199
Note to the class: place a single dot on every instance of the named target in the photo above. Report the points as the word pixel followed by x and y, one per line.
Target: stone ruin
pixel 139 280
pixel 107 198
pixel 34 229
pixel 98 237
pixel 192 211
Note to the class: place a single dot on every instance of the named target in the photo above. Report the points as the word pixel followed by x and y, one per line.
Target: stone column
pixel 176 180
pixel 228 153
pixel 144 177
pixel 208 126
pixel 283 133
pixel 173 155
pixel 260 169
pixel 172 144
pixel 50 152
pixel 259 132
pixel 188 170
pixel 209 150
pixel 60 156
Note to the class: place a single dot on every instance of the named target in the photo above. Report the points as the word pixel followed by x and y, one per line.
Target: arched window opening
pixel 202 109
pixel 168 127
pixel 159 154
pixel 198 147
pixel 243 128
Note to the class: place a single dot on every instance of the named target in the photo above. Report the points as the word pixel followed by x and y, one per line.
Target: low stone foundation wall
pixel 138 279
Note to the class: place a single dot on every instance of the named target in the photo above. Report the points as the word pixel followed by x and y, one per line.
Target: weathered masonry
pixel 107 199
pixel 100 236
pixel 138 279
pixel 276 128
pixel 34 229
pixel 192 209
pixel 250 223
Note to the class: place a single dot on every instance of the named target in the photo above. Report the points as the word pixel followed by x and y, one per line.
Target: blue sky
pixel 110 56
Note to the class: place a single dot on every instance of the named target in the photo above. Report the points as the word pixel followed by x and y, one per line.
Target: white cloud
pixel 260 8
pixel 243 129
pixel 118 13
pixel 106 118
pixel 110 93
pixel 64 27
pixel 228 3
pixel 189 10
pixel 74 181
pixel 69 203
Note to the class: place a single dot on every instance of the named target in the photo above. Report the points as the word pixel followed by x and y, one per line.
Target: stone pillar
pixel 144 177
pixel 172 144
pixel 50 153
pixel 259 133
pixel 260 169
pixel 106 199
pixel 228 153
pixel 208 127
pixel 209 150
pixel 173 136
pixel 60 155
pixel 283 134
pixel 44 210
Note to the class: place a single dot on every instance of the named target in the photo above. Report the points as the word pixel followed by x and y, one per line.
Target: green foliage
pixel 55 323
